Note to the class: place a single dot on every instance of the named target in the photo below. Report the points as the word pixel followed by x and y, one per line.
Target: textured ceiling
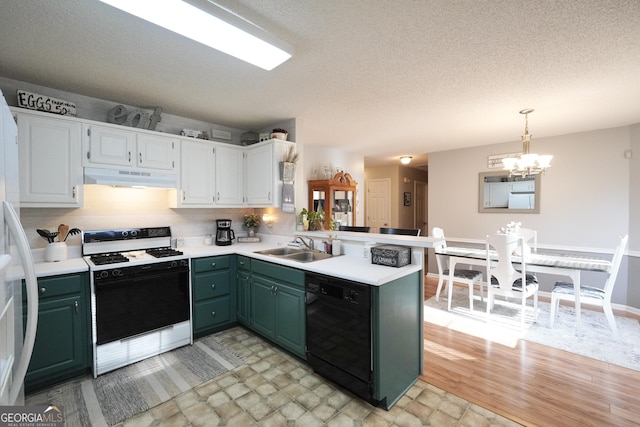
pixel 380 78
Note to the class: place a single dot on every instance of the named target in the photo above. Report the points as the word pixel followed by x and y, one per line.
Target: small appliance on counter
pixel 224 233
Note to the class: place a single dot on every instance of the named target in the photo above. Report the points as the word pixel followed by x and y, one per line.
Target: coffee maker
pixel 224 233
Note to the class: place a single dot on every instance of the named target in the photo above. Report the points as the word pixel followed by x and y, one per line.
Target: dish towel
pixel 288 200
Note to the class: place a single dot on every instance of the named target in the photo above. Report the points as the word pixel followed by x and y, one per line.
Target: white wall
pixel 584 200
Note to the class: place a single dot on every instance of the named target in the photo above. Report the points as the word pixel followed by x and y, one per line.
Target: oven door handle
pixel 141 275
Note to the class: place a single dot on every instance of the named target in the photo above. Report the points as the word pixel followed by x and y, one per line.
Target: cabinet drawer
pixel 57 286
pixel 211 313
pixel 244 262
pixel 210 263
pixel 210 285
pixel 278 272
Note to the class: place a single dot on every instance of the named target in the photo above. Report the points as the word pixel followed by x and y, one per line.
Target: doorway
pixel 420 219
pixel 378 203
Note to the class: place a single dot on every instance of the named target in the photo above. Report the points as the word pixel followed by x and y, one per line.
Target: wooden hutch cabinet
pixel 337 197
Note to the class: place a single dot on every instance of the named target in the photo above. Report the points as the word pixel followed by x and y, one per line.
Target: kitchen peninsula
pixel 267 295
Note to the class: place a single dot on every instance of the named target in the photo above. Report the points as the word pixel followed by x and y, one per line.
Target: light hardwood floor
pixel 531 384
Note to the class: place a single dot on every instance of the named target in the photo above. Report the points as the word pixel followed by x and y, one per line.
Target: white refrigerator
pixel 15 255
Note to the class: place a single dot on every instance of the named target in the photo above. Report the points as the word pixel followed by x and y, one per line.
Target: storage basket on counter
pixel 390 255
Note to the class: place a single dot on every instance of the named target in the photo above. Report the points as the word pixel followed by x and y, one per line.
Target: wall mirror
pixel 501 193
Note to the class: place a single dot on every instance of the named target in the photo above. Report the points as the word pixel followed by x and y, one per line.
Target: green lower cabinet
pixel 243 288
pixel 277 308
pixel 210 314
pixel 397 337
pixel 263 306
pixel 213 296
pixel 290 318
pixel 62 347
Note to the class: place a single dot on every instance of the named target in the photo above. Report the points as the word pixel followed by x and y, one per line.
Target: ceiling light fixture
pixel 527 163
pixel 211 25
pixel 405 160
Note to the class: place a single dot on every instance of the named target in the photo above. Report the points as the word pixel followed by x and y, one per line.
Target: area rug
pixel 594 340
pixel 119 395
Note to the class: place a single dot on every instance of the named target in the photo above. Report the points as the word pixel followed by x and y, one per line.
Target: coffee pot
pixel 224 233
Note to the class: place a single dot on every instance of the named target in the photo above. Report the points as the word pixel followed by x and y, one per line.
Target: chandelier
pixel 527 163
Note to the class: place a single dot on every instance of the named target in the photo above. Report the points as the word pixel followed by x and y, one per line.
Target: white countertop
pixel 351 266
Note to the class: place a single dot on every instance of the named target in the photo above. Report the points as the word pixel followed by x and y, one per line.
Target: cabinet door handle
pixel 241 263
pixel 129 157
pixel 43 290
pixel 213 264
pixel 140 157
pixel 73 192
pixel 75 303
pixel 218 196
pixel 184 195
pixel 213 286
pixel 213 314
pixel 269 198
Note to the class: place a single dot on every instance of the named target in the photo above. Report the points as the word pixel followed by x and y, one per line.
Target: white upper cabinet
pixel 197 185
pixel 264 188
pixel 157 152
pixel 115 147
pixel 49 157
pixel 229 175
pixel 109 146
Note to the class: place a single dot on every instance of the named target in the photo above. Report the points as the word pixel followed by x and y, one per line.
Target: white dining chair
pixel 592 295
pixel 467 276
pixel 505 280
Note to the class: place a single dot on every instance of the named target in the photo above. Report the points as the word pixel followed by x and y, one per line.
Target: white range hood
pixel 130 178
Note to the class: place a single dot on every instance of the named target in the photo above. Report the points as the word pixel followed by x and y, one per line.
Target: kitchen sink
pixel 308 256
pixel 280 251
pixel 300 255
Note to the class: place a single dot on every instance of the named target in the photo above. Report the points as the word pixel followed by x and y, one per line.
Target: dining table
pixel 558 264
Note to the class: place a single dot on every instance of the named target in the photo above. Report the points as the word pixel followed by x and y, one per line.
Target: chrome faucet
pixel 308 245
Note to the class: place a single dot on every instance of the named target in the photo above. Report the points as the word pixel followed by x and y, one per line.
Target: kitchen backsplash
pixel 111 208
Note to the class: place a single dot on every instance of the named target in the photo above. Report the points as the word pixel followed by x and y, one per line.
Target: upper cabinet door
pixel 157 152
pixel 196 174
pixel 264 187
pixel 260 175
pixel 109 146
pixel 49 156
pixel 229 175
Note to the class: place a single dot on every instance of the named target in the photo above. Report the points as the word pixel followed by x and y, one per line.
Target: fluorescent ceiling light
pixel 225 31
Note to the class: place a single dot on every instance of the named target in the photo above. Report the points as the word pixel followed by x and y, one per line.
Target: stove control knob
pixel 116 272
pixel 103 274
pixel 174 264
pixel 134 233
pixel 125 233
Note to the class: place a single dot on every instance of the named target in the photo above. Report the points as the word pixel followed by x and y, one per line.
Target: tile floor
pixel 276 389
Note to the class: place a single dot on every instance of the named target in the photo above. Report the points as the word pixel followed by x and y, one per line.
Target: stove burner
pixel 112 258
pixel 163 252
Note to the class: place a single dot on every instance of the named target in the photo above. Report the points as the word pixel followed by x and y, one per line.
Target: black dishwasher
pixel 339 332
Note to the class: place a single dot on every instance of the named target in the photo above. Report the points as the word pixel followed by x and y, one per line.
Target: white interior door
pixel 378 203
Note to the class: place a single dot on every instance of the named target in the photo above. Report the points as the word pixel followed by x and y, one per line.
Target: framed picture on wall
pixel 407 198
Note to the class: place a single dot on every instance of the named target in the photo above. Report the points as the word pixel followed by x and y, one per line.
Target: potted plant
pixel 251 222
